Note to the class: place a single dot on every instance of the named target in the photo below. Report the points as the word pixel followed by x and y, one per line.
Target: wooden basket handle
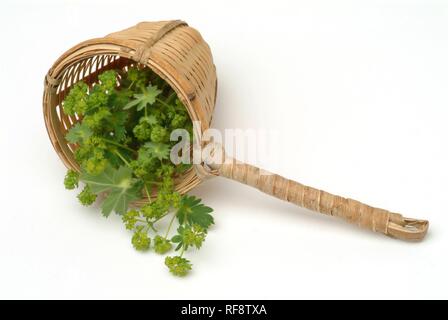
pixel 375 219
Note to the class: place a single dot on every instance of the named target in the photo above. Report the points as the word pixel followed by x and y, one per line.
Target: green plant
pixel 123 149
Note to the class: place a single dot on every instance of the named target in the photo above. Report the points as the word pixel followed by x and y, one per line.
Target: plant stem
pixel 151 225
pixel 169 226
pixel 170 98
pixel 121 157
pixel 162 102
pixel 119 145
pixel 182 251
pixel 160 218
pixel 147 193
pixel 154 182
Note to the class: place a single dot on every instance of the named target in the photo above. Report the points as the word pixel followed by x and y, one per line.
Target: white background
pixel 357 91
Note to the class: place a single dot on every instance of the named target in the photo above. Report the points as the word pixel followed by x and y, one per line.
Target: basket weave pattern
pixel 172 49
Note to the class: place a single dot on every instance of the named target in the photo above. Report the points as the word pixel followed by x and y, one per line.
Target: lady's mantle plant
pixel 123 150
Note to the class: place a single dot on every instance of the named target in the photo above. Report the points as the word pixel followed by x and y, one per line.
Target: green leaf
pixel 119 98
pixel 121 188
pixel 151 120
pixel 192 211
pixel 189 235
pixel 157 150
pixel 141 100
pixel 201 216
pixel 78 133
pixel 100 183
pixel 118 200
pixel 118 122
pixel 132 103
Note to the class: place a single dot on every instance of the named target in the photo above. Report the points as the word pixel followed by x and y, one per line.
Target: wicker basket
pixel 178 54
pixel 172 49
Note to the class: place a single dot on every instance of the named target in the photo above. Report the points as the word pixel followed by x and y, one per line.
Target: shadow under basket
pixel 178 54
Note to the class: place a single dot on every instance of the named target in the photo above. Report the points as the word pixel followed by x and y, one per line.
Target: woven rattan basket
pixel 178 54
